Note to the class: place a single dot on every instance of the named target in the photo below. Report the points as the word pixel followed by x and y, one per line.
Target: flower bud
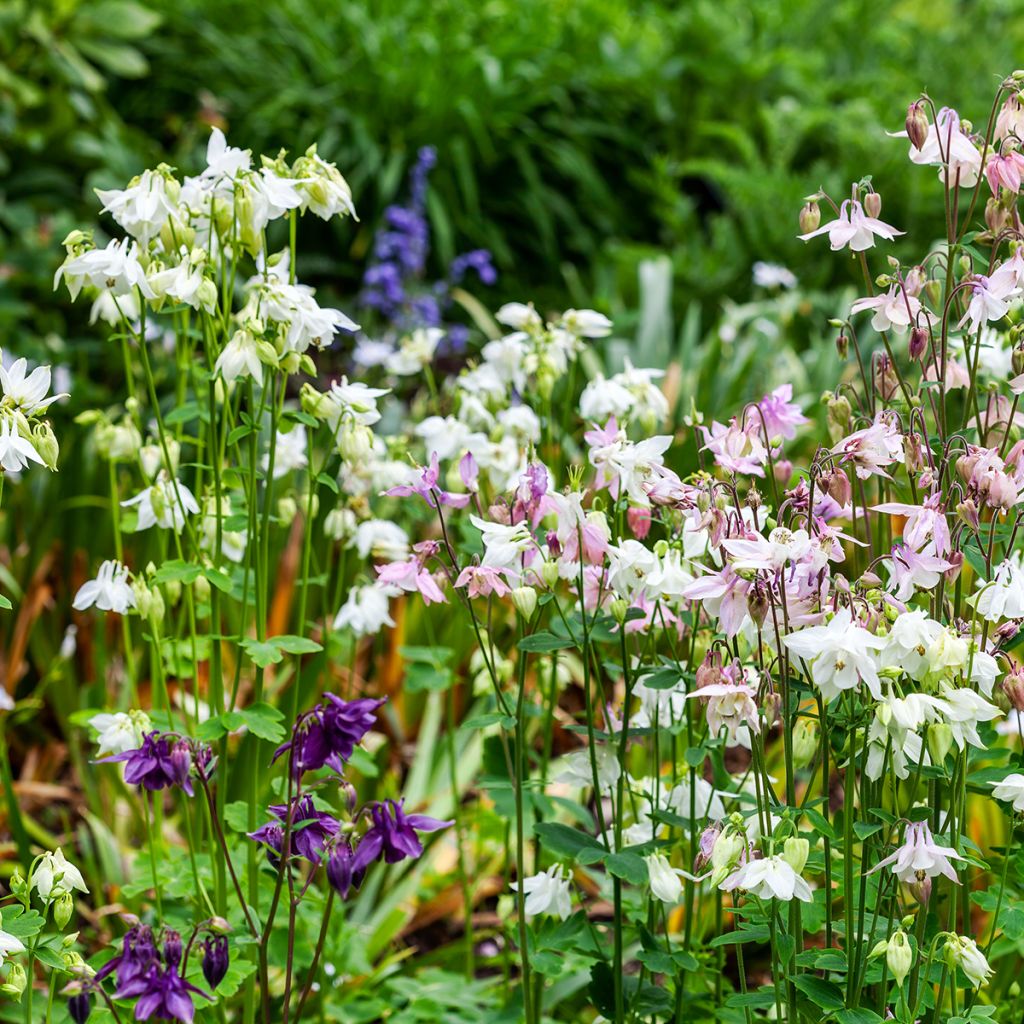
pixel 967 510
pixel 899 956
pixel 872 204
pixel 525 601
pixel 80 1006
pixel 805 741
pixel 63 908
pixel 921 889
pixel 918 343
pixel 1017 360
pixel 287 508
pixel 940 741
pixel 549 573
pixel 837 486
pixel 215 960
pixel 997 217
pixel 917 124
pixel 619 609
pixel 810 217
pixel 842 345
pixel 1013 687
pixel 795 851
pixel 16 981
pixel 45 442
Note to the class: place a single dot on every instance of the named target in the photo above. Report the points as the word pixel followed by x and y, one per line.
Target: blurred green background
pixel 574 137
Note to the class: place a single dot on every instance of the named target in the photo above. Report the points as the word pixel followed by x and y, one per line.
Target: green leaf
pixel 565 841
pixel 858 1015
pixel 820 992
pixel 544 643
pixel 629 866
pixel 236 815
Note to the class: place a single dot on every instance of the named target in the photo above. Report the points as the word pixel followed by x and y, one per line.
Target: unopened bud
pixel 872 204
pixel 1013 687
pixel 805 742
pixel 810 217
pixel 619 609
pixel 917 124
pixel 63 908
pixel 918 343
pixel 899 956
pixel 940 742
pixel 842 345
pixel 525 601
pixel 795 851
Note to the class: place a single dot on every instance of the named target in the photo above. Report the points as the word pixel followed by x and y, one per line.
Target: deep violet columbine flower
pixel 328 733
pixel 216 959
pixel 340 867
pixel 163 994
pixel 310 829
pixel 393 834
pixel 163 760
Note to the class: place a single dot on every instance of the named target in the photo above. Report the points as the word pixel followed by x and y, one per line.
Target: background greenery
pixel 574 136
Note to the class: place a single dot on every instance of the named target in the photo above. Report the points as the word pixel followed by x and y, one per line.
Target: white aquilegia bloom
pixel 769 878
pixel 839 656
pixel 120 731
pixel 547 892
pixel 1010 789
pixel 1003 596
pixel 366 610
pixel 577 769
pixel 853 228
pixel 416 351
pixel 144 206
pixel 27 394
pixel 9 944
pixel 115 268
pixel 55 876
pixel 15 451
pixel 665 879
pixel 963 952
pixel 380 538
pixel 503 545
pixel 110 591
pixel 240 357
pixel 166 504
pixel 289 453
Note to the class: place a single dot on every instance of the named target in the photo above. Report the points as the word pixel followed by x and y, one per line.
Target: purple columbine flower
pixel 393 834
pixel 138 954
pixel 329 733
pixel 80 1006
pixel 161 762
pixel 163 994
pixel 310 829
pixel 216 959
pixel 341 871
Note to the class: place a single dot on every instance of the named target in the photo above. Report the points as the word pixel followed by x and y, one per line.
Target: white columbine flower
pixel 55 876
pixel 963 952
pixel 839 656
pixel 365 610
pixel 240 357
pixel 1011 789
pixel 1003 597
pixel 110 591
pixel 9 944
pixel 547 892
pixel 769 878
pixel 120 731
pixel 665 883
pixel 166 504
pixel 920 857
pixel 143 207
pixel 15 451
pixel 115 268
pixel 26 393
pixel 415 352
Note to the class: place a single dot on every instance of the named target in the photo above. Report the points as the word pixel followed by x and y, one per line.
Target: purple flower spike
pixel 393 835
pixel 341 872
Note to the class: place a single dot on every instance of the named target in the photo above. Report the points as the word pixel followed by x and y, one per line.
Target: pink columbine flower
pixel 872 449
pixel 853 228
pixel 724 594
pixel 1004 171
pixel 483 580
pixel 911 570
pixel 782 416
pixel 413 575
pixel 895 309
pixel 739 449
pixel 428 490
pixel 923 522
pixel 731 705
pixel 920 857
